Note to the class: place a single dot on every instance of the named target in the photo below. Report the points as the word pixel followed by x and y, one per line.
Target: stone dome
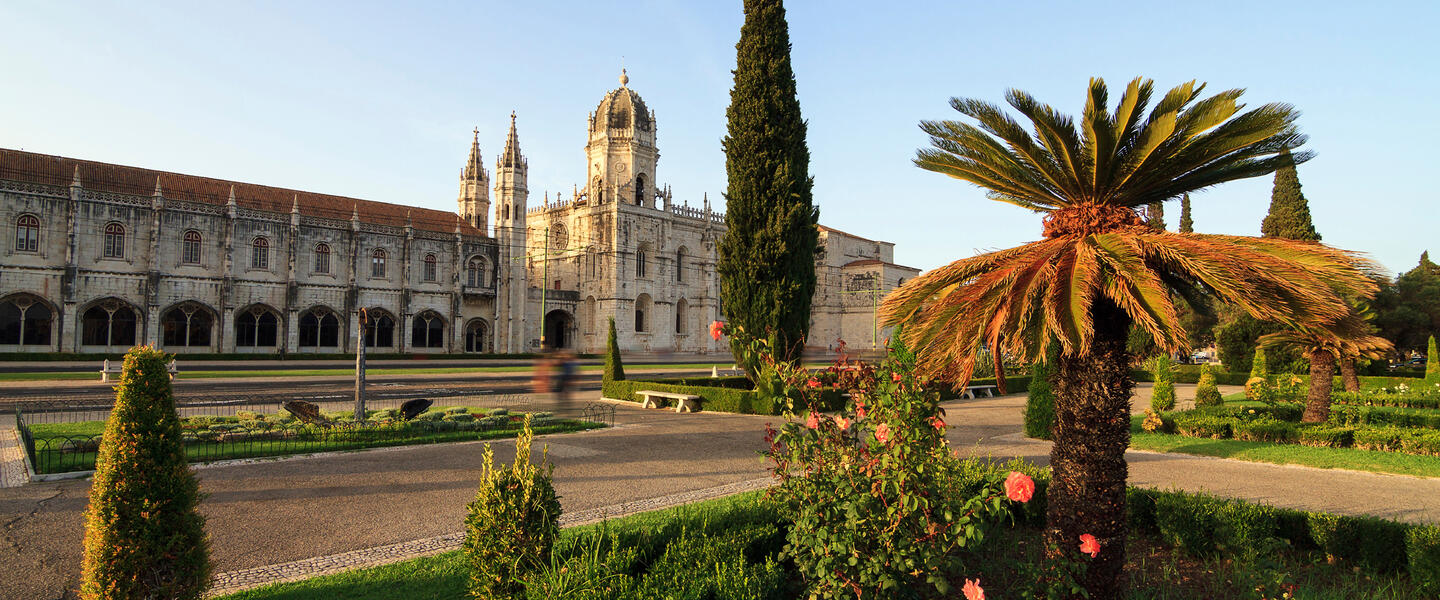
pixel 620 108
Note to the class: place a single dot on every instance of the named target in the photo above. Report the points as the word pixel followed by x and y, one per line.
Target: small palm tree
pixel 1342 341
pixel 1100 269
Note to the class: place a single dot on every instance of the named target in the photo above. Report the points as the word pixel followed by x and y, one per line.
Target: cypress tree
pixel 1163 394
pixel 1187 225
pixel 767 256
pixel 144 536
pixel 614 369
pixel 1040 402
pixel 1432 363
pixel 1289 215
pixel 1155 215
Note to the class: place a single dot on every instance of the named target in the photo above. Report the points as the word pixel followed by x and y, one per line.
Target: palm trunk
pixel 1092 431
pixel 1000 385
pixel 1347 374
pixel 1322 374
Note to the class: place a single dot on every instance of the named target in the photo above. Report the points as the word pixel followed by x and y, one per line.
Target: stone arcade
pixel 101 256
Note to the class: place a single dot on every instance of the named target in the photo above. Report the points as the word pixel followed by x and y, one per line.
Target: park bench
pixel 108 368
pixel 716 371
pixel 971 390
pixel 683 402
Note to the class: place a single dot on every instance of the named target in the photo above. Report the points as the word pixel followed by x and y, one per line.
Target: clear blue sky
pixel 377 100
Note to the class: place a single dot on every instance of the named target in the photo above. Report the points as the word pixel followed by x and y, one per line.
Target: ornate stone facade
pixel 102 256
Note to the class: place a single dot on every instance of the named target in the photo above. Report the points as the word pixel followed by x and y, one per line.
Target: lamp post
pixel 360 367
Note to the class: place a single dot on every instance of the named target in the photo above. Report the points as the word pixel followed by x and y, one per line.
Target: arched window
pixel 476 274
pixel 640 260
pixel 640 190
pixel 256 328
pixel 260 253
pixel 681 309
pixel 319 328
pixel 476 334
pixel 27 233
pixel 110 323
pixel 427 331
pixel 114 240
pixel 680 265
pixel 322 258
pixel 590 314
pixel 377 263
pixel 187 325
pixel 381 331
pixel 190 248
pixel 642 310
pixel 429 271
pixel 25 321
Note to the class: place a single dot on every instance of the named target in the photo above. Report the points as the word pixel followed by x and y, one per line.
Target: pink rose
pixel 1089 545
pixel 882 433
pixel 972 590
pixel 938 423
pixel 1019 487
pixel 717 329
pixel 814 421
pixel 842 422
pixel 813 383
pixel 896 378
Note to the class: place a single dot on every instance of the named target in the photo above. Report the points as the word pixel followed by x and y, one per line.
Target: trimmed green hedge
pixel 1357 427
pixel 1391 400
pixel 1205 525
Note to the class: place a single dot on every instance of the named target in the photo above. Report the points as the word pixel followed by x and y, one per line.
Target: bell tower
pixel 620 154
pixel 510 206
pixel 474 198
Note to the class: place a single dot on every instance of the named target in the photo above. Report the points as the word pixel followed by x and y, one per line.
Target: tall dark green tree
pixel 767 257
pixel 1289 215
pixel 1187 225
pixel 1408 310
pixel 1155 215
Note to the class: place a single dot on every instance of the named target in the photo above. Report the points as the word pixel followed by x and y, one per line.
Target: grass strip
pixel 1374 461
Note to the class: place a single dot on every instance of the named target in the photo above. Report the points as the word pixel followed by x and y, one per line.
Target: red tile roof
pixel 30 167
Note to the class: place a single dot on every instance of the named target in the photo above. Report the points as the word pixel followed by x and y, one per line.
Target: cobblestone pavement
pixel 12 459
pixel 272 519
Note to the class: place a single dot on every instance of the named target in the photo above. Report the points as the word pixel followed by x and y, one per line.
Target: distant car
pixel 1416 362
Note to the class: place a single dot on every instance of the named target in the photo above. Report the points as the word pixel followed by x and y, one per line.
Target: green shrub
pixel 1377 438
pixel 513 522
pixel 144 537
pixel 1432 362
pixel 1163 394
pixel 455 410
pixel 1207 393
pixel 1370 542
pixel 1203 426
pixel 1420 441
pixel 614 368
pixel 1422 549
pixel 459 417
pixel 498 412
pixel 1265 430
pixel 1203 525
pixel 1325 435
pixel 1040 402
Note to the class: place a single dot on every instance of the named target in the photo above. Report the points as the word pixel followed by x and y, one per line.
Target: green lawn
pixel 1290 454
pixel 94 375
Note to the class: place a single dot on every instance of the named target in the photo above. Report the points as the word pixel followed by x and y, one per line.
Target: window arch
pixel 27 233
pixel 260 253
pixel 680 265
pixel 381 331
pixel 477 334
pixel 377 263
pixel 190 248
pixel 111 322
pixel 682 309
pixel 640 190
pixel 319 328
pixel 590 314
pixel 256 327
pixel 642 311
pixel 427 330
pixel 429 272
pixel 477 272
pixel 322 258
pixel 26 320
pixel 640 259
pixel 114 240
pixel 187 325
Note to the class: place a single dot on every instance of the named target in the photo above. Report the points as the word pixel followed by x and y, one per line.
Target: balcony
pixel 556 295
pixel 477 290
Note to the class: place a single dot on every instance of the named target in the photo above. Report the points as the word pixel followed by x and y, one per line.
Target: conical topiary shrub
pixel 1432 363
pixel 1162 396
pixel 1206 392
pixel 144 537
pixel 614 369
pixel 1255 386
pixel 1040 403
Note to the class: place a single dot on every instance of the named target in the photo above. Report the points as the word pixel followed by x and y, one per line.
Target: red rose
pixel 813 383
pixel 937 423
pixel 1019 487
pixel 717 329
pixel 973 591
pixel 1090 545
pixel 895 377
pixel 882 433
pixel 814 421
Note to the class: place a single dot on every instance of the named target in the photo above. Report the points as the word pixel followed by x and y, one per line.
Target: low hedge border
pixel 1385 400
pixel 1191 374
pixel 1265 426
pixel 1204 525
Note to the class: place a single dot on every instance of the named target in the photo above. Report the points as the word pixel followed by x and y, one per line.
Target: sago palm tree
pixel 1344 340
pixel 1099 268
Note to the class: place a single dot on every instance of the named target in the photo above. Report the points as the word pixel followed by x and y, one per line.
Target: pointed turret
pixel 474 200
pixel 474 168
pixel 75 182
pixel 158 191
pixel 512 156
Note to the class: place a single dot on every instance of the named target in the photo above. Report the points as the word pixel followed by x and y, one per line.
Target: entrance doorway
pixel 559 325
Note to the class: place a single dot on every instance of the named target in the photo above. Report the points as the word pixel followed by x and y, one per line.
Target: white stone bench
pixel 716 371
pixel 107 368
pixel 683 402
pixel 971 390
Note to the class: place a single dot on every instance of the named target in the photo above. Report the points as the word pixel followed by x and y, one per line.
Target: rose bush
pixel 865 489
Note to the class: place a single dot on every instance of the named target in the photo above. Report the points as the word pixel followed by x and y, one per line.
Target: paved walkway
pixel 306 516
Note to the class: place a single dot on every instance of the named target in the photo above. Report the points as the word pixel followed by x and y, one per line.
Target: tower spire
pixel 474 167
pixel 512 156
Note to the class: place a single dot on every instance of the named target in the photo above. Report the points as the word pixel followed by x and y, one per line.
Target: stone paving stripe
pixel 236 581
pixel 14 471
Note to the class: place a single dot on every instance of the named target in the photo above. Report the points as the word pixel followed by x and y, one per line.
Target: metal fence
pixel 56 451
